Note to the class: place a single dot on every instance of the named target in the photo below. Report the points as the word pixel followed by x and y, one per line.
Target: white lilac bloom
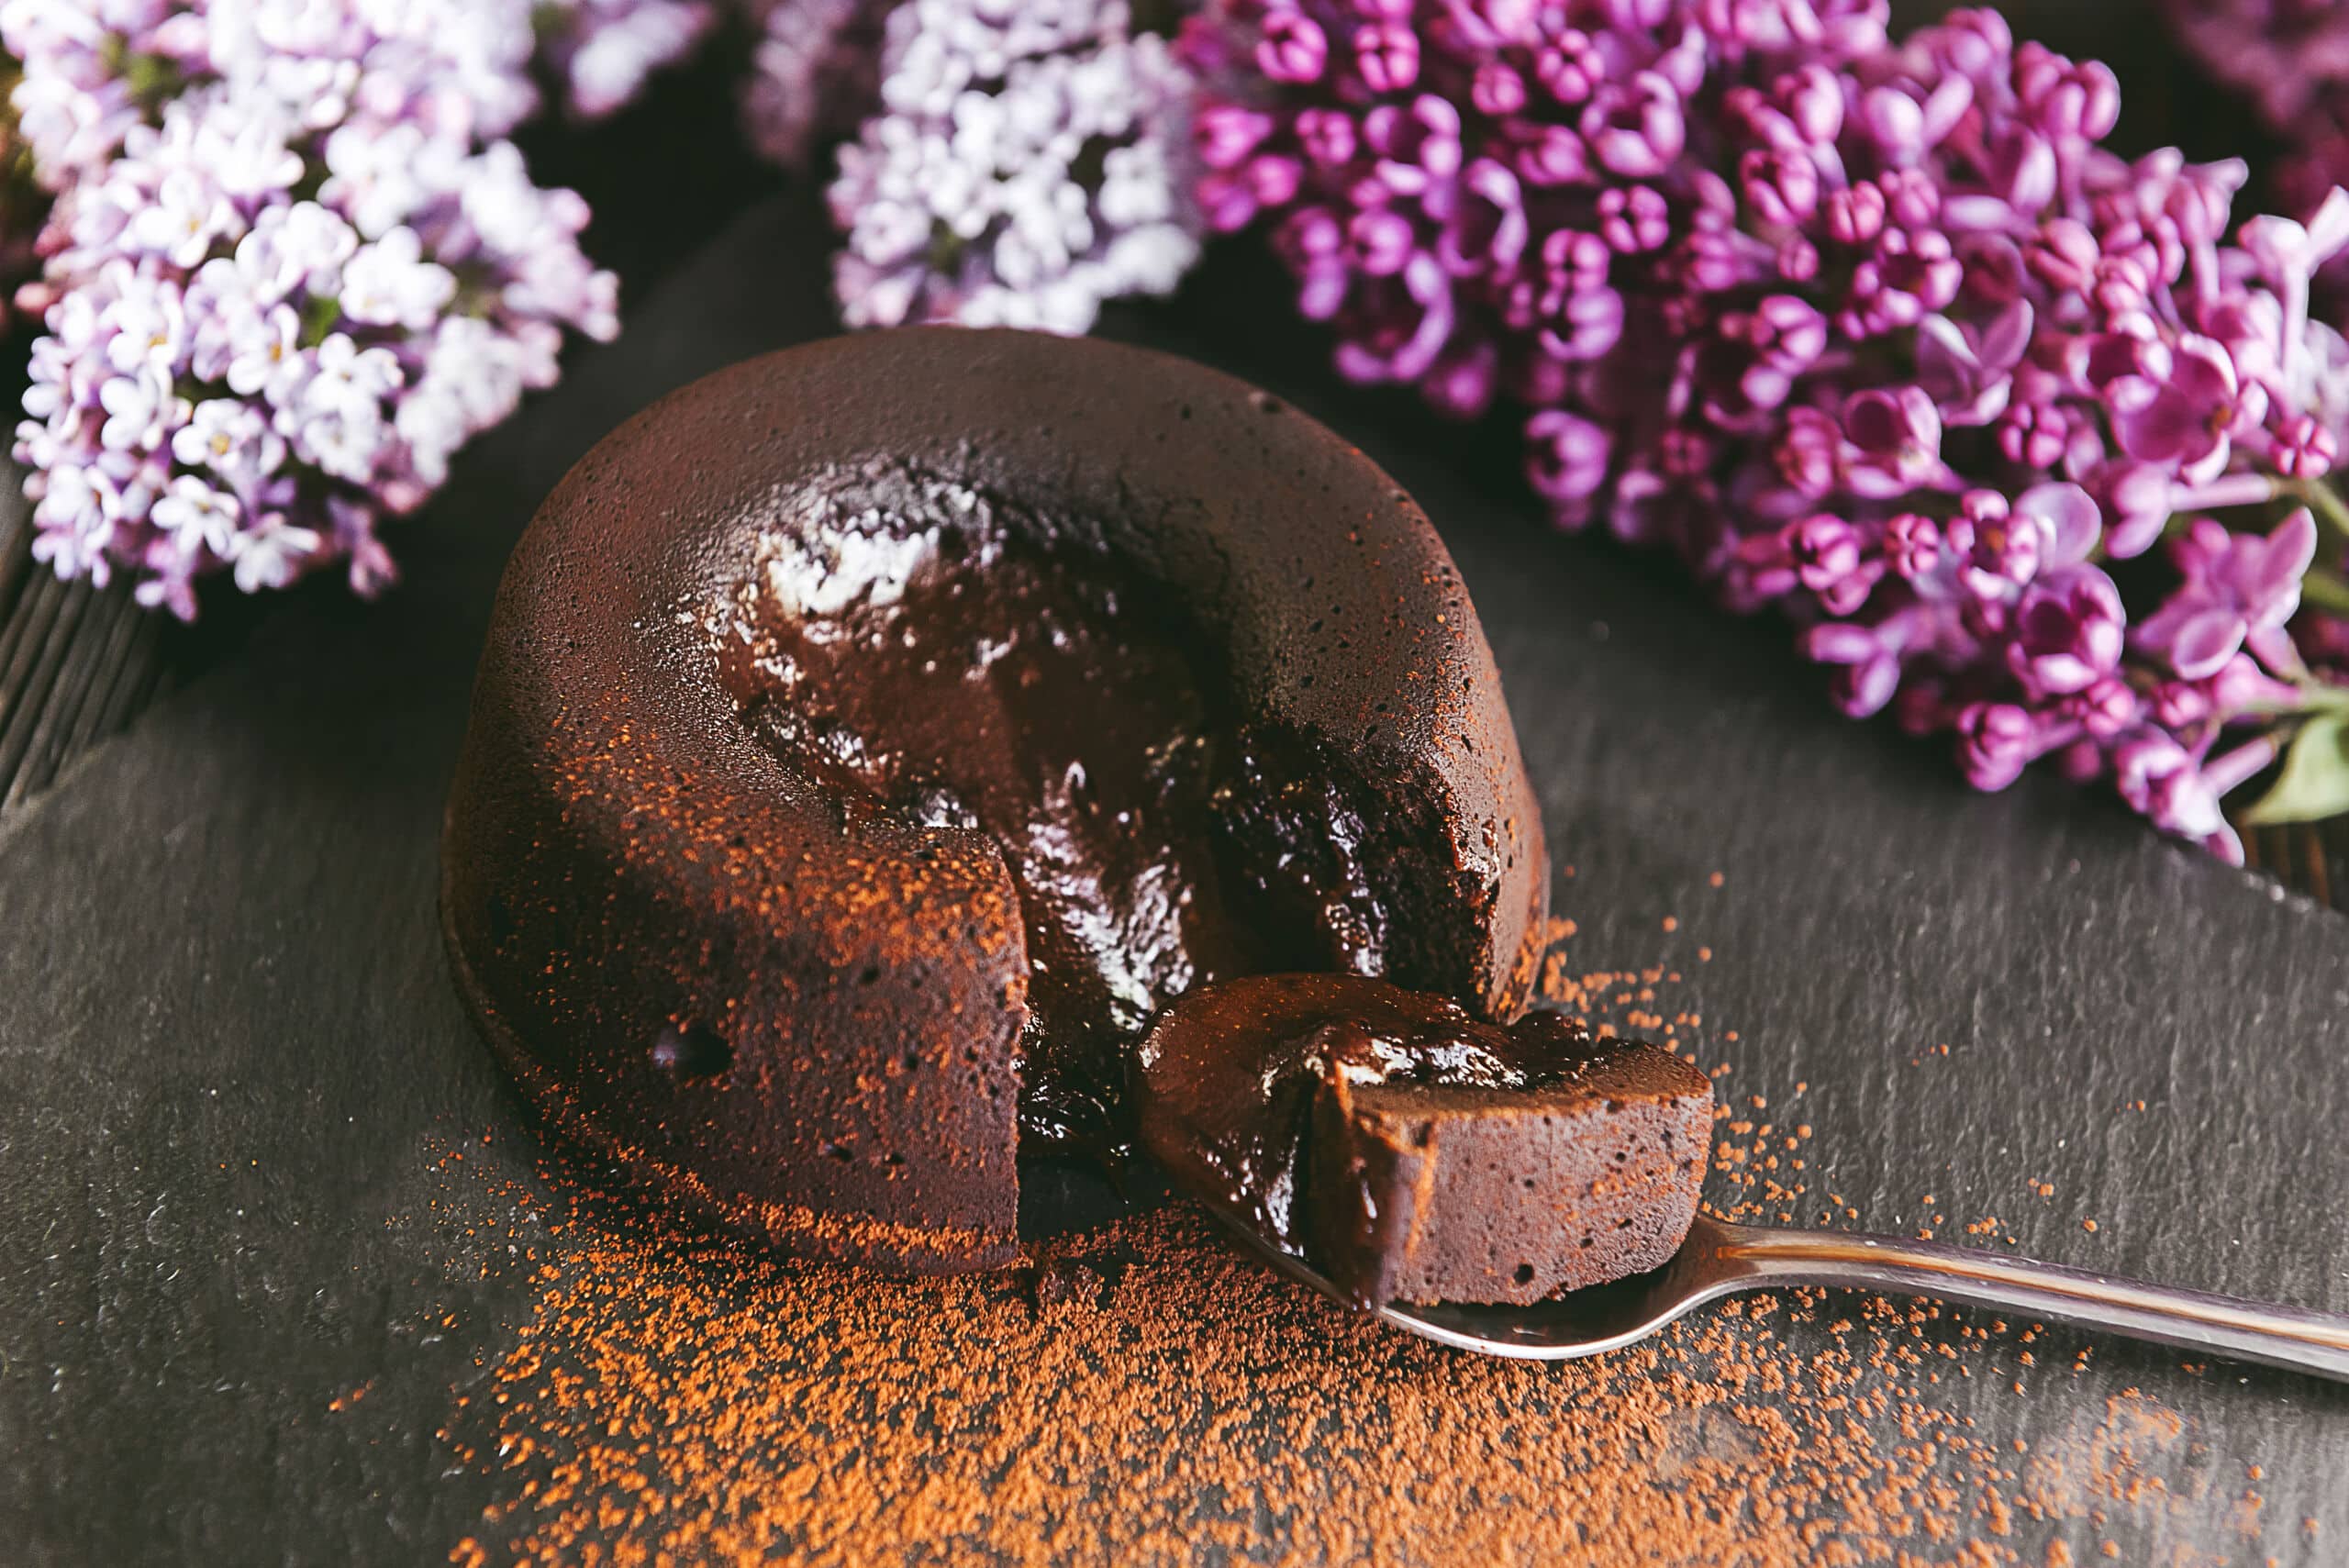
pixel 602 50
pixel 1028 164
pixel 292 265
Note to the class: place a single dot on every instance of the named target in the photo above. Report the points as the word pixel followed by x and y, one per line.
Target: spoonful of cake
pixel 1532 1191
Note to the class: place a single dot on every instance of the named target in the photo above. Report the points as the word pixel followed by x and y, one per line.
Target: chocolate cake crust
pixel 810 1019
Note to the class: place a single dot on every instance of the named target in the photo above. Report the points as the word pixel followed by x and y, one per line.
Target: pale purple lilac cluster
pixel 292 267
pixel 602 51
pixel 1874 332
pixel 1027 162
pixel 814 73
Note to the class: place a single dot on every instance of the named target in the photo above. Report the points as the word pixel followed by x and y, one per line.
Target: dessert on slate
pixel 872 737
pixel 1414 1153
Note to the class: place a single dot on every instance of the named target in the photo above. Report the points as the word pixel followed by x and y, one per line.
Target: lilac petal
pixel 1884 421
pixel 1425 279
pixel 2206 460
pixel 2061 672
pixel 1983 407
pixel 2072 518
pixel 1946 363
pixel 2206 642
pixel 2006 339
pixel 1840 642
pixel 1814 102
pixel 2222 775
pixel 1872 419
pixel 2274 647
pixel 2127 371
pixel 2204 371
pixel 2026 171
pixel 1869 686
pixel 1714 194
pixel 2141 501
pixel 1489 229
pixel 1592 323
pixel 1322 291
pixel 2327 228
pixel 1569 456
pixel 1945 107
pixel 2164 432
pixel 2243 687
pixel 2278 565
pixel 2278 244
pixel 1381 240
pixel 2093 592
pixel 1967 211
pixel 1895 119
pixel 2288 252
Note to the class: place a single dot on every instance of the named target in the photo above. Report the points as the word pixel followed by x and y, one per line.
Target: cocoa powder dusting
pixel 1146 1392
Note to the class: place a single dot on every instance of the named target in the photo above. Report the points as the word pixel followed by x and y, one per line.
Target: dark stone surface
pixel 233 1058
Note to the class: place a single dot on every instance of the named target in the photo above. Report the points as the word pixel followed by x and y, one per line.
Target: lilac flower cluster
pixel 815 73
pixel 2290 60
pixel 293 266
pixel 602 50
pixel 1026 164
pixel 1876 333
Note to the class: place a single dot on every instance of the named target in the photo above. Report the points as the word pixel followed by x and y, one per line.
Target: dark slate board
pixel 231 1049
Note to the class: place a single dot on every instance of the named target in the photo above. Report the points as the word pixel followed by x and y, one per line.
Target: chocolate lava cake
pixel 873 737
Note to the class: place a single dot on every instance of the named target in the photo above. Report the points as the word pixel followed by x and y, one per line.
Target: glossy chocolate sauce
pixel 969 678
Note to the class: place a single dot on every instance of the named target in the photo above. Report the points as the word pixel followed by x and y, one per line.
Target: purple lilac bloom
pixel 1874 330
pixel 815 73
pixel 292 267
pixel 2290 60
pixel 2240 590
pixel 1026 164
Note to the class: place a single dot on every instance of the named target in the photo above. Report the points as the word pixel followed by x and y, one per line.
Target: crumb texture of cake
pixel 1414 1153
pixel 872 737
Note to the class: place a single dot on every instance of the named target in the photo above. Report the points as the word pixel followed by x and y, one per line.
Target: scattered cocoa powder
pixel 1146 1391
pixel 674 1400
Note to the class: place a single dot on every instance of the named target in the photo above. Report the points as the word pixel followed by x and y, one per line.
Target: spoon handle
pixel 2223 1326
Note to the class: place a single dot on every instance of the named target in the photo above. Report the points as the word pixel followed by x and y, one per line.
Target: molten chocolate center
pixel 1243 1065
pixel 979 674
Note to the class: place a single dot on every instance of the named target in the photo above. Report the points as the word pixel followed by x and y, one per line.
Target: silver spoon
pixel 1721 1260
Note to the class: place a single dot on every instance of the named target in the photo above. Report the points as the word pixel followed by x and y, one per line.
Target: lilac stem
pixel 2228 489
pixel 2324 501
pixel 2324 590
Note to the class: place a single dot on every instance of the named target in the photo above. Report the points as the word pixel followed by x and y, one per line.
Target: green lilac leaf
pixel 2314 783
pixel 319 319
